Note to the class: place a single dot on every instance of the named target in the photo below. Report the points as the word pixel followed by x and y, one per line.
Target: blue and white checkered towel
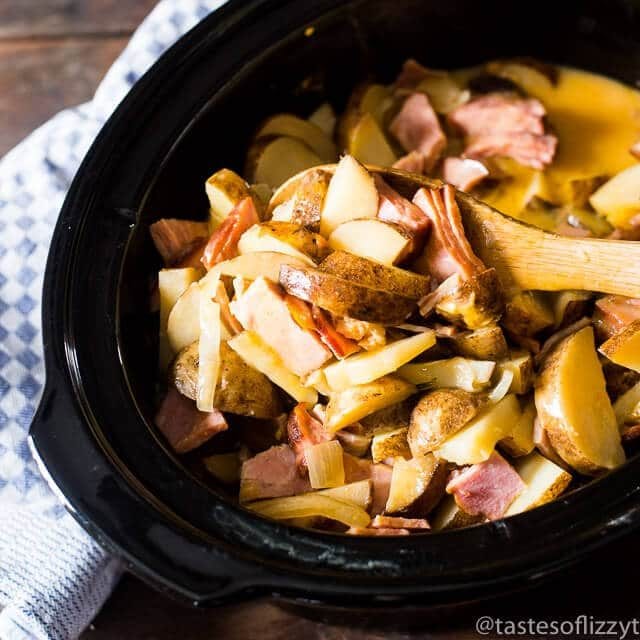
pixel 53 577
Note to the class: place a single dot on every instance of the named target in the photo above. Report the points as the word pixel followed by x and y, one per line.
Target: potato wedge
pixel 417 485
pixel 261 357
pixel 445 94
pixel 380 241
pixel 456 373
pixel 284 237
pixel 374 99
pixel 345 297
pixel 476 441
pixel 521 366
pixel 349 406
pixel 359 493
pixel 527 313
pixel 225 189
pixel 390 444
pixel 241 389
pixel 617 199
pixel 438 416
pixel 367 143
pixel 627 406
pixel 183 323
pixel 388 419
pixel 569 307
pixel 352 194
pixel 487 343
pixel 369 365
pixel 574 408
pixel 253 265
pixel 273 161
pixel 545 481
pixel 286 124
pixel 324 117
pixel 378 276
pixel 449 515
pixel 520 442
pixel 304 205
pixel 624 347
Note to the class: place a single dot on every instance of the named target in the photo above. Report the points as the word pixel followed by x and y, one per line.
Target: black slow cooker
pixel 191 114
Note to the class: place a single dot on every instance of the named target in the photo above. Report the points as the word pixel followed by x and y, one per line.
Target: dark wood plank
pixel 30 18
pixel 39 78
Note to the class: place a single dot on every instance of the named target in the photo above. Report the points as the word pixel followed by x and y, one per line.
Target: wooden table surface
pixel 52 55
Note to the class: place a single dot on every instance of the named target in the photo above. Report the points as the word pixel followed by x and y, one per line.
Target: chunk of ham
pixel 263 308
pixel 372 531
pixel 412 162
pixel 394 522
pixel 272 474
pixel 487 488
pixel 614 313
pixel 417 128
pixel 501 124
pixel 396 209
pixel 411 75
pixel 304 431
pixel 223 243
pixel 463 173
pixel 448 251
pixel 183 425
pixel 176 239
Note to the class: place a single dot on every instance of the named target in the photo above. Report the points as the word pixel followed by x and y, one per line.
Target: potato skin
pixel 241 389
pixel 439 415
pixel 308 242
pixel 345 297
pixel 487 343
pixel 309 198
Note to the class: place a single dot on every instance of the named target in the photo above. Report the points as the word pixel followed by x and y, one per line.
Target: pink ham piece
pixel 393 522
pixel 614 313
pixel 273 474
pixel 396 209
pixel 500 124
pixel 370 532
pixel 412 162
pixel 417 128
pixel 176 239
pixel 263 308
pixel 448 251
pixel 183 425
pixel 463 173
pixel 487 488
pixel 411 75
pixel 304 431
pixel 223 243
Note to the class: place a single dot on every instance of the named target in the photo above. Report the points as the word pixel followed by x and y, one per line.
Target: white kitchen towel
pixel 53 577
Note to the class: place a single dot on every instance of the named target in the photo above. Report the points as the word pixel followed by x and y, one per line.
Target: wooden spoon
pixel 524 256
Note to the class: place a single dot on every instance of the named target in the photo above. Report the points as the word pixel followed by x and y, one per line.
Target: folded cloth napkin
pixel 53 577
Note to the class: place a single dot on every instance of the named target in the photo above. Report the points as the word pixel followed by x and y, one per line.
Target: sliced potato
pixel 574 408
pixel 369 365
pixel 345 297
pixel 375 99
pixel 544 481
pixel 208 353
pixel 241 389
pixel 527 313
pixel 627 406
pixel 373 239
pixel 521 366
pixel 445 94
pixel 457 373
pixel 417 485
pixel 284 237
pixel 172 283
pixel 260 356
pixel 349 406
pixel 617 199
pixel 487 343
pixel 476 441
pixel 569 307
pixel 520 442
pixel 390 444
pixel 378 276
pixel 260 263
pixel 449 515
pixel 388 419
pixel 285 124
pixel 624 347
pixel 225 189
pixel 367 143
pixel 352 194
pixel 273 161
pixel 438 416
pixel 183 324
pixel 324 117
